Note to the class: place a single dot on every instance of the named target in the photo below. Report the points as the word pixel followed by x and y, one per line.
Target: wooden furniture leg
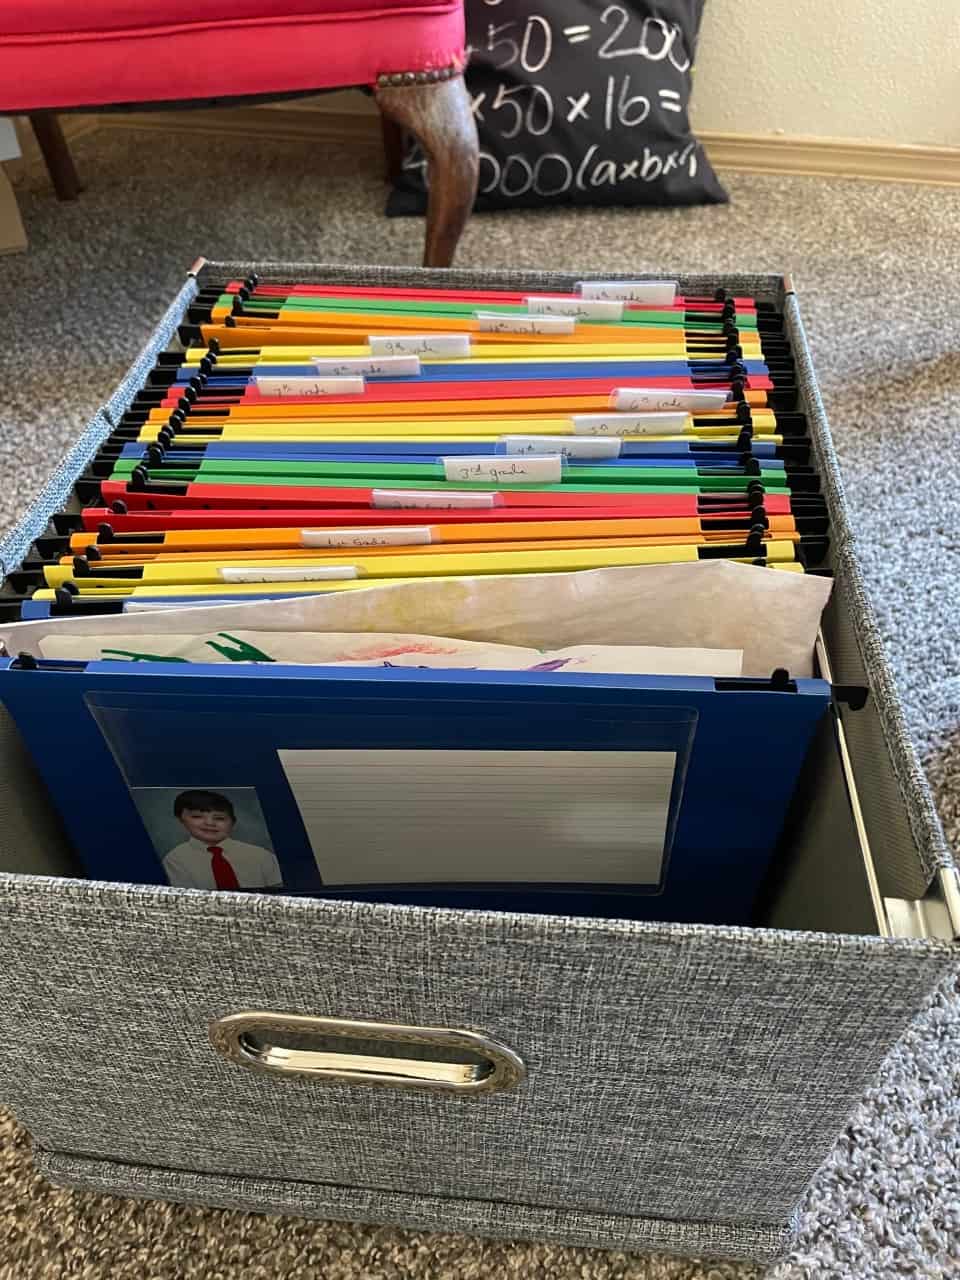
pixel 392 147
pixel 439 117
pixel 57 155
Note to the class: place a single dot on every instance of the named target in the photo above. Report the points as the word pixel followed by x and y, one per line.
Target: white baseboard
pixel 735 152
pixel 833 158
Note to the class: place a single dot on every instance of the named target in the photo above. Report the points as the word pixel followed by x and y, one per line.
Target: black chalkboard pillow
pixel 579 102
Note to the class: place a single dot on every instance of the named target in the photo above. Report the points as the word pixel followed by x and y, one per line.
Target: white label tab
pixel 566 446
pixel 439 499
pixel 367 366
pixel 494 469
pixel 402 536
pixel 319 573
pixel 420 344
pixel 652 398
pixel 497 322
pixel 630 424
pixel 586 309
pixel 274 386
pixel 655 293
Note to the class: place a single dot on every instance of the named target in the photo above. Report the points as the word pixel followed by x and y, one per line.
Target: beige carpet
pixel 876 267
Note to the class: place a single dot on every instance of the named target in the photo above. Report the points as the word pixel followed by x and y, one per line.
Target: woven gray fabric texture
pixel 666 1064
pixel 869 261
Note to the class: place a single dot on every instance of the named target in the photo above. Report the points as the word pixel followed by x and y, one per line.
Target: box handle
pixel 346 1051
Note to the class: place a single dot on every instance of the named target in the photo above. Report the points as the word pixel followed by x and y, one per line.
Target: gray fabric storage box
pixel 682 1083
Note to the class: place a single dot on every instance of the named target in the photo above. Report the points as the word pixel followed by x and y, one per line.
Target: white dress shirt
pixel 189 865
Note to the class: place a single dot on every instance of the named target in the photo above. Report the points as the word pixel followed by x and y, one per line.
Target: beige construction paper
pixel 387 649
pixel 711 604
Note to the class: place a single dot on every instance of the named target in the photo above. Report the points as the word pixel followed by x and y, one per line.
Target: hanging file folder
pixel 651 797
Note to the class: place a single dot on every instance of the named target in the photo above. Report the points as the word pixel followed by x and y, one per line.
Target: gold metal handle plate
pixel 464 1062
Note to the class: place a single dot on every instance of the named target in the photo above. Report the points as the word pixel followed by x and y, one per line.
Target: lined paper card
pixel 377 816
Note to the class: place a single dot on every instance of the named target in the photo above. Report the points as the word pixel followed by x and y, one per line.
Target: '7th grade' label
pixel 273 386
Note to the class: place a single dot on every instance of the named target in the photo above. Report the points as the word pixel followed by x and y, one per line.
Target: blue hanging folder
pixel 644 797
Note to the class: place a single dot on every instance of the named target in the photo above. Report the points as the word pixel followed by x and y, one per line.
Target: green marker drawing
pixel 242 651
pixel 139 657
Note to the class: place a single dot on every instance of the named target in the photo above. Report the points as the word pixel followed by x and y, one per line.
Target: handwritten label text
pixel 274 386
pixel 404 536
pixel 432 499
pixel 630 424
pixel 664 398
pixel 547 469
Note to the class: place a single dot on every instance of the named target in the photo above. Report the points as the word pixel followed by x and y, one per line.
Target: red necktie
pixel 223 873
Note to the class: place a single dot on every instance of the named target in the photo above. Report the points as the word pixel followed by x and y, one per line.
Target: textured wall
pixel 877 69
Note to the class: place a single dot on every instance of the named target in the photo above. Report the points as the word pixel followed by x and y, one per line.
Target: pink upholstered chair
pixel 61 54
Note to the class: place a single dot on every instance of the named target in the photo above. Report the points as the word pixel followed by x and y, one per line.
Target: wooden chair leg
pixel 392 147
pixel 57 155
pixel 439 117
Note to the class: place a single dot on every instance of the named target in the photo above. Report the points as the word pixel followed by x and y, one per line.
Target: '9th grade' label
pixel 443 345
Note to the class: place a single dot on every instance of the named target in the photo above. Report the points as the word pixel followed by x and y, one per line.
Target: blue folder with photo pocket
pixel 630 796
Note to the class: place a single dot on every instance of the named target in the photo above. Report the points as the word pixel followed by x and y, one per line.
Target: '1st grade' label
pixel 405 536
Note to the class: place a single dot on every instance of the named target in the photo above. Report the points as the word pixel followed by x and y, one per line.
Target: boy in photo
pixel 211 858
